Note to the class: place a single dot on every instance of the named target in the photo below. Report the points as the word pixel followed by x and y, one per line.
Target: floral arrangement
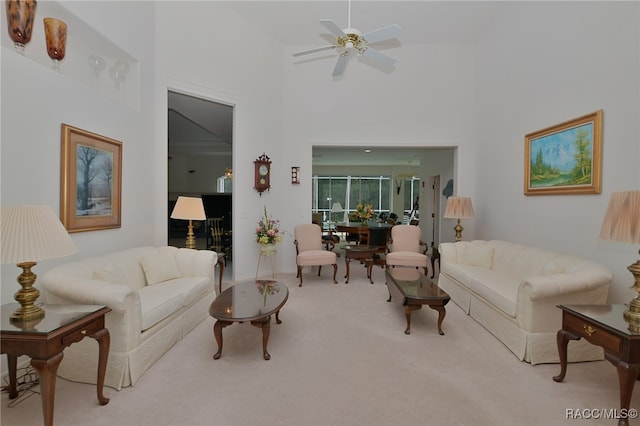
pixel 267 231
pixel 364 212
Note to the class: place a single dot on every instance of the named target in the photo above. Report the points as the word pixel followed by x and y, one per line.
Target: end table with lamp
pixel 31 233
pixel 615 328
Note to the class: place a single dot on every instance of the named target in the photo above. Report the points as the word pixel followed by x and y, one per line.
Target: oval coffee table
pixel 253 301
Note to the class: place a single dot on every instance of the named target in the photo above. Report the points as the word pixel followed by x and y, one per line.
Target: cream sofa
pixel 513 291
pixel 157 295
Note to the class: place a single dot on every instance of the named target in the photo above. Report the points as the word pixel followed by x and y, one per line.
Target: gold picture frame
pixel 565 158
pixel 90 181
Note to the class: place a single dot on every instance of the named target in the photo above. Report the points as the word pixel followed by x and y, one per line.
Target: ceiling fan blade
pixel 384 33
pixel 332 27
pixel 317 49
pixel 378 57
pixel 339 69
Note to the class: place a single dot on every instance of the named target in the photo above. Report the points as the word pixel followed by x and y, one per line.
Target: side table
pixel 604 326
pixel 44 340
pixel 360 252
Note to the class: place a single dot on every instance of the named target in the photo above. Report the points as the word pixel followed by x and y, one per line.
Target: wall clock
pixel 262 173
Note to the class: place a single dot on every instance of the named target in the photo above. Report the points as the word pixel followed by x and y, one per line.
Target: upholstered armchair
pixel 406 248
pixel 309 251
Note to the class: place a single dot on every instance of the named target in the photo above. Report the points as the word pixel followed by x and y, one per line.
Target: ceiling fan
pixel 351 42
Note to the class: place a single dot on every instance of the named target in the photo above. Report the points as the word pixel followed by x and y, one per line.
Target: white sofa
pixel 513 291
pixel 157 295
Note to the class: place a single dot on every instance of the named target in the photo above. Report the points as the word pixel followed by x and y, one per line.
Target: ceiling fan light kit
pixel 351 42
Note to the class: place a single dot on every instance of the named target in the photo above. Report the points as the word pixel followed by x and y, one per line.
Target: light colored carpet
pixel 340 357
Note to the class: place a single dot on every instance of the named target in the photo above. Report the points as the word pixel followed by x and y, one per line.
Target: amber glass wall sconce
pixel 20 16
pixel 55 32
pixel 295 175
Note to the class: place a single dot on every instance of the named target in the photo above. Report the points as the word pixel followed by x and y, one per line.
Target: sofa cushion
pixel 499 290
pixel 158 302
pixel 459 274
pixel 478 255
pixel 191 288
pixel 158 269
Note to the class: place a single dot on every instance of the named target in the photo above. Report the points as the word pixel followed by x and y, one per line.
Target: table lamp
pixel 189 208
pixel 30 233
pixel 336 208
pixel 458 208
pixel 622 223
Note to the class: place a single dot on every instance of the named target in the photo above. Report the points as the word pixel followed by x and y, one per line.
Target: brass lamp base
pixel 27 296
pixel 632 315
pixel 458 228
pixel 191 239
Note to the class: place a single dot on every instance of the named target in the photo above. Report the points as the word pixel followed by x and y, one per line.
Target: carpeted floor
pixel 340 357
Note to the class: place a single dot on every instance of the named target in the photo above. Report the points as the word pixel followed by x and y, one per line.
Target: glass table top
pixel 413 283
pixel 55 316
pixel 249 300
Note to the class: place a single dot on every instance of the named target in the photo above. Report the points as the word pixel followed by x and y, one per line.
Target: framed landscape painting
pixel 90 184
pixel 565 158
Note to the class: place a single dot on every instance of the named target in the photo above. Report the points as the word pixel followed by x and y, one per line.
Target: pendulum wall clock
pixel 262 173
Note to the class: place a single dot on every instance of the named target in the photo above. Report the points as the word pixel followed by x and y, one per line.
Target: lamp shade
pixel 622 219
pixel 336 208
pixel 458 208
pixel 188 208
pixel 30 233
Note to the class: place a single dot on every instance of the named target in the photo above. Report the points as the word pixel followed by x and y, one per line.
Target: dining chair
pixel 309 251
pixel 406 249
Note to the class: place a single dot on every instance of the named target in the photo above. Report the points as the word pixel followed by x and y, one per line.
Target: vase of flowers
pixel 364 213
pixel 268 233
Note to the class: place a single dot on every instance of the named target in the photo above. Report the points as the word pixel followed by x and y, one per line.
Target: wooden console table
pixel 44 340
pixel 604 326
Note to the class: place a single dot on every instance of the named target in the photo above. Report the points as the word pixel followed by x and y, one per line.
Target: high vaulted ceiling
pixel 422 22
pixel 198 126
pixel 205 128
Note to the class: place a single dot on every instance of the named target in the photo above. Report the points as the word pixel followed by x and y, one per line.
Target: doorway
pixel 200 153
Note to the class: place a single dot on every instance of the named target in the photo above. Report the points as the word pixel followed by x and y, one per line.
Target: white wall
pixel 428 101
pixel 197 55
pixel 36 100
pixel 546 63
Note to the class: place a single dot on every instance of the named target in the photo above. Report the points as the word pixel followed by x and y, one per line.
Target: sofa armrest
pixel 124 322
pixel 118 297
pixel 554 285
pixel 539 296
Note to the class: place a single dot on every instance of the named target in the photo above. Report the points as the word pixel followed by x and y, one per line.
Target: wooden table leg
pixel 441 314
pixel 217 332
pixel 627 375
pixel 104 339
pixel 47 369
pixel 408 309
pixel 221 267
pixel 563 338
pixel 346 262
pixel 12 362
pixel 265 325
